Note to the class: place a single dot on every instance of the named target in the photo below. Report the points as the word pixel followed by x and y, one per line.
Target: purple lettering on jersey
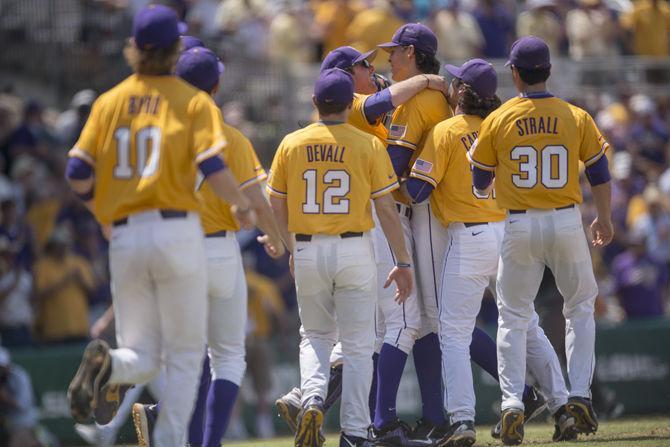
pixel 555 130
pixel 310 154
pixel 322 152
pixel 532 125
pixel 518 126
pixel 540 125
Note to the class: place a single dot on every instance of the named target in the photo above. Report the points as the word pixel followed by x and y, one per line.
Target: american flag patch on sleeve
pixel 423 166
pixel 397 131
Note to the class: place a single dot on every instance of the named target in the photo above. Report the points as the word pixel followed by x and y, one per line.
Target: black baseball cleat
pixel 144 419
pixel 310 422
pixel 585 417
pixel 394 434
pixel 85 390
pixel 354 441
pixel 427 433
pixel 511 426
pixel 534 403
pixel 461 434
pixel 564 425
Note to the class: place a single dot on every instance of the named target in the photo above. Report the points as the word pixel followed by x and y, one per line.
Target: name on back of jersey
pixel 325 152
pixel 143 104
pixel 539 125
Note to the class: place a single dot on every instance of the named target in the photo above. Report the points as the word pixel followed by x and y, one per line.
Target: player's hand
pixel 602 232
pixel 437 82
pixel 274 249
pixel 246 217
pixel 402 276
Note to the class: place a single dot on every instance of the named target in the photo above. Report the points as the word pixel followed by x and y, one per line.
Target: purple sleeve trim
pixel 481 179
pixel 376 105
pixel 599 172
pixel 418 189
pixel 78 169
pixel 211 165
pixel 400 157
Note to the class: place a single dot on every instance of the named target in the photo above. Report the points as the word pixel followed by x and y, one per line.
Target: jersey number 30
pixel 333 202
pixel 148 142
pixel 553 168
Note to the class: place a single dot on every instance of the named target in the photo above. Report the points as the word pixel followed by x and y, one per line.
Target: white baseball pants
pixel 397 324
pixel 471 262
pixel 554 238
pixel 227 292
pixel 430 246
pixel 159 286
pixel 335 283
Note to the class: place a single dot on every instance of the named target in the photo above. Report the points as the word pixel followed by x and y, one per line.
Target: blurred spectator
pixel 71 122
pixel 63 282
pixel 640 280
pixel 15 229
pixel 655 225
pixel 649 24
pixel 16 311
pixel 542 20
pixel 331 20
pixel 649 133
pixel 18 415
pixel 245 25
pixel 458 33
pixel 289 35
pixel 591 30
pixel 265 308
pixel 202 18
pixel 372 26
pixel 33 137
pixel 497 26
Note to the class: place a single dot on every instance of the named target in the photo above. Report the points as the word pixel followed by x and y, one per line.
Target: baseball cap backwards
pixel 477 73
pixel 155 26
pixel 417 34
pixel 200 67
pixel 334 86
pixel 188 42
pixel 346 57
pixel 529 52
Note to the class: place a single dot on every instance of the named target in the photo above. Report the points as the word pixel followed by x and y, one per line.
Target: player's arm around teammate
pixel 321 183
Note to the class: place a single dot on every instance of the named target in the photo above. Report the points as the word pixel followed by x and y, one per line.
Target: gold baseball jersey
pixel 359 121
pixel 328 174
pixel 444 164
pixel 534 145
pixel 144 139
pixel 243 163
pixel 409 124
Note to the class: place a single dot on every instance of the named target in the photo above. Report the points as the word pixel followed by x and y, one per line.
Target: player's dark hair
pixel 331 108
pixel 532 76
pixel 154 62
pixel 426 63
pixel 473 104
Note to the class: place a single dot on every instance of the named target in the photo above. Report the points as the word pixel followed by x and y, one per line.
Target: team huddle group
pixel 399 206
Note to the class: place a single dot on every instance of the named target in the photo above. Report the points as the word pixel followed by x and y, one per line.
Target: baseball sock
pixel 483 353
pixel 197 424
pixel 390 366
pixel 220 402
pixel 427 357
pixel 372 400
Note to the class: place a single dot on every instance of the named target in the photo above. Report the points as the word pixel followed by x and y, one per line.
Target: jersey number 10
pixel 333 201
pixel 553 169
pixel 145 137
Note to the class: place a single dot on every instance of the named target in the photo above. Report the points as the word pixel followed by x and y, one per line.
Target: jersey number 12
pixel 333 201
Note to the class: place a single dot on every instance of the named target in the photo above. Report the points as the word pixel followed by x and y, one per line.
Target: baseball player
pixel 475 228
pixel 135 167
pixel 227 289
pixel 368 108
pixel 533 145
pixel 321 183
pixel 411 52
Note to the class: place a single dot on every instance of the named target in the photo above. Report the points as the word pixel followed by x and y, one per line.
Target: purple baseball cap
pixel 200 67
pixel 529 52
pixel 188 42
pixel 346 57
pixel 155 26
pixel 334 86
pixel 477 73
pixel 416 34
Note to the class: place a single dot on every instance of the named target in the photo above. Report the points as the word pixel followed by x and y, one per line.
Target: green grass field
pixel 647 432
